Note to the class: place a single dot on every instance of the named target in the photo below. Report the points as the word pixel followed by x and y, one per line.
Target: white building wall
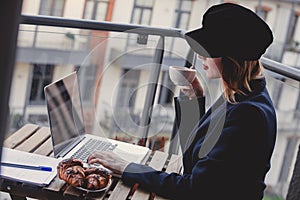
pixel 163 13
pixel 31 7
pixel 19 86
pixel 108 91
pixel 35 110
pixel 272 15
pixel 198 8
pixel 74 9
pixel 122 11
pixel 291 58
pixel 281 25
pixel 289 97
pixel 62 70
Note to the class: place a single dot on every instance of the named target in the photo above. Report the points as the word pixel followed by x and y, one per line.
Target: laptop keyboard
pixel 91 146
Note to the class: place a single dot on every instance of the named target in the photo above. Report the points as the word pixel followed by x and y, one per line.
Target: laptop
pixel 66 120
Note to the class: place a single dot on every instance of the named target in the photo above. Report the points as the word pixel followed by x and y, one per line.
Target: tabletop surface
pixel 35 139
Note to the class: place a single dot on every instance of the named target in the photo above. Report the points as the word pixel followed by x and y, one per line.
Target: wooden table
pixel 35 139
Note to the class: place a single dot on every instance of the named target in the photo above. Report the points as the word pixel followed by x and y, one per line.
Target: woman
pixel 228 152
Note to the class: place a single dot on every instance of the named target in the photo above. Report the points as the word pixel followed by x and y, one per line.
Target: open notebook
pixel 36 177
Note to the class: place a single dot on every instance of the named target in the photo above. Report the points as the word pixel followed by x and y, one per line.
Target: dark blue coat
pixel 226 156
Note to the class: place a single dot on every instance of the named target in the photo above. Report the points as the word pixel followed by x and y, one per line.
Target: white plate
pixel 100 190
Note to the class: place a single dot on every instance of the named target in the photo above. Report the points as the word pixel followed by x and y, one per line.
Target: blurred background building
pixel 114 68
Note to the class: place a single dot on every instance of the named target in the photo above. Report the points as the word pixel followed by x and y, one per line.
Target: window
pixel 96 10
pixel 142 12
pixel 52 7
pixel 182 14
pixel 181 19
pixel 42 76
pixel 127 94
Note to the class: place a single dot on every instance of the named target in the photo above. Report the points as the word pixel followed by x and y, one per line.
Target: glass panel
pixel 99 66
pixel 285 95
pixel 121 90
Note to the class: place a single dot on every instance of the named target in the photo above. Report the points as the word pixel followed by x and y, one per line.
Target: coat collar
pixel 256 85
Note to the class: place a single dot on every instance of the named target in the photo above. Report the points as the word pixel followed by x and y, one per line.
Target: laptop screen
pixel 64 112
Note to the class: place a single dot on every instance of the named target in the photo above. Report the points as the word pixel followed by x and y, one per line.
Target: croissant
pixel 96 178
pixel 71 170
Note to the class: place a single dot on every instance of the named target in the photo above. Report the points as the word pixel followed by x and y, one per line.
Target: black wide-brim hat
pixel 231 30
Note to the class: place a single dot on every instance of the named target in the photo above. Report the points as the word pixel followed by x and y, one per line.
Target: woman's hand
pixel 109 160
pixel 194 90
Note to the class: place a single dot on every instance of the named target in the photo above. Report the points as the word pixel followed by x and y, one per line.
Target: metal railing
pixel 281 69
pixel 271 65
pixel 101 26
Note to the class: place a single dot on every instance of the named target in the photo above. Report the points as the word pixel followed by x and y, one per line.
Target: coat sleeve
pixel 221 166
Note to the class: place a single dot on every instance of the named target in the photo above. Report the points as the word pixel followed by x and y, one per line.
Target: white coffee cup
pixel 181 76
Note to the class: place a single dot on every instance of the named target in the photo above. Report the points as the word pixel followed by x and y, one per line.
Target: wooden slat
pixel 20 136
pixel 45 148
pixel 121 191
pixel 35 136
pixel 73 192
pixel 157 162
pixel 56 185
pixel 35 140
pixel 174 165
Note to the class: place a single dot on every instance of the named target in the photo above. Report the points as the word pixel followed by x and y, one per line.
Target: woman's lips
pixel 205 67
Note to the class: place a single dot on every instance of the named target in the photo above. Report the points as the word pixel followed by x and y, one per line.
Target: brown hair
pixel 237 74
